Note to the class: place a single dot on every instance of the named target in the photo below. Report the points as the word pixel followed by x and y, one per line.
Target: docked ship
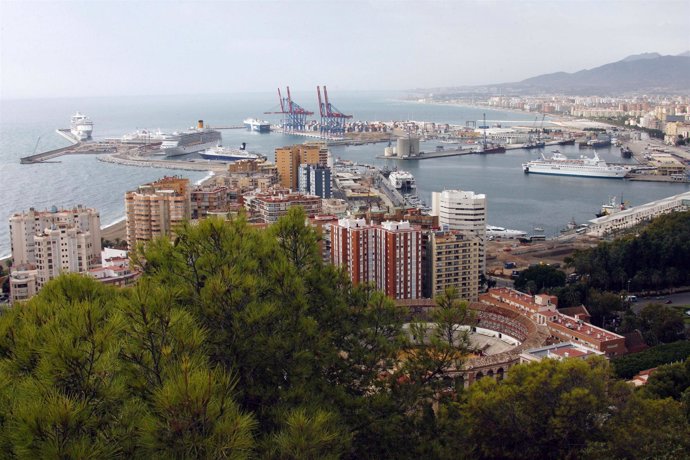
pixel 261 126
pixel 190 141
pixel 501 232
pixel 611 207
pixel 81 127
pixel 220 153
pixel 143 137
pixel 560 165
pixel 402 180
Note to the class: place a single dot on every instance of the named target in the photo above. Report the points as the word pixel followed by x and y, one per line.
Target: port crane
pixel 332 119
pixel 294 115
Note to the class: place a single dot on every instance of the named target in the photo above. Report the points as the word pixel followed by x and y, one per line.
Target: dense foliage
pixel 656 258
pixel 538 278
pixel 627 366
pixel 239 343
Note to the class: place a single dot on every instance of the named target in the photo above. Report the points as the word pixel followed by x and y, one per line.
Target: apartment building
pixel 388 255
pixel 451 261
pixel 464 211
pixel 155 209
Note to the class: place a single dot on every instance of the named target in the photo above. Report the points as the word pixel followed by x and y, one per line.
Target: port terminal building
pixel 627 218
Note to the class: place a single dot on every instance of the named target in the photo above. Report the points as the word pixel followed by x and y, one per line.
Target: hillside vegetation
pixel 240 343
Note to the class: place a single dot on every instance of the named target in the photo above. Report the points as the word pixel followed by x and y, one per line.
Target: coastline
pixel 118 228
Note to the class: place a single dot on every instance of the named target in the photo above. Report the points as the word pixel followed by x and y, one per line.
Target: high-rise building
pixel 24 227
pixel 464 211
pixel 452 261
pixel 288 160
pixel 387 255
pixel 48 243
pixel 155 209
pixel 352 249
pixel 315 180
pixel 398 259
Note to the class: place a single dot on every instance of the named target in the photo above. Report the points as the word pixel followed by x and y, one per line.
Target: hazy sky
pixel 94 48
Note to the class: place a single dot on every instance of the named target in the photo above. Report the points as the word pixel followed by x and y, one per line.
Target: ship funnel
pixel 244 145
pixel 200 124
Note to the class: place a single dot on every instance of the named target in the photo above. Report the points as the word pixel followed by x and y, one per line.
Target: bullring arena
pixel 499 335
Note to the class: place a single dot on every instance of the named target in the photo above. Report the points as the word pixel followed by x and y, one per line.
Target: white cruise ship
pixel 261 126
pixel 81 127
pixel 560 165
pixel 402 180
pixel 190 141
pixel 143 136
pixel 501 232
pixel 230 154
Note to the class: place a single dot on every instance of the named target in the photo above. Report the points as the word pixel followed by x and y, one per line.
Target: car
pixel 668 301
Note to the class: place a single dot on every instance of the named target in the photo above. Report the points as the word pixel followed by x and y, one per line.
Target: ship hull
pixel 228 158
pixel 258 128
pixel 590 174
pixel 189 148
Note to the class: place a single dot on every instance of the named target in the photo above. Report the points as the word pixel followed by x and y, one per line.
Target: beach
pixel 116 230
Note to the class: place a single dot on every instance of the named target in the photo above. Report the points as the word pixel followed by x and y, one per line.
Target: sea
pixel 515 200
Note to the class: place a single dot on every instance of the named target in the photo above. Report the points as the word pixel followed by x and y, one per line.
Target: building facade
pixel 451 261
pixel 388 255
pixel 269 207
pixel 288 160
pixel 315 180
pixel 46 244
pixel 24 227
pixel 155 209
pixel 464 211
pixel 207 199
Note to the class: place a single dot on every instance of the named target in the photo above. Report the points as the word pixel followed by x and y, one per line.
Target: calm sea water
pixel 515 200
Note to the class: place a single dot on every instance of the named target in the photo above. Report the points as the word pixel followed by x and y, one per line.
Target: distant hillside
pixel 648 72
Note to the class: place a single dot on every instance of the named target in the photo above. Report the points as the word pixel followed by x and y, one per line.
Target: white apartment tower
pixel 464 211
pixel 26 226
pixel 48 243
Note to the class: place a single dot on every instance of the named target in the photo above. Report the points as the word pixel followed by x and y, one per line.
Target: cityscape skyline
pixel 67 49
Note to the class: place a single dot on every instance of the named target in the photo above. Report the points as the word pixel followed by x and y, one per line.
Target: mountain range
pixel 640 73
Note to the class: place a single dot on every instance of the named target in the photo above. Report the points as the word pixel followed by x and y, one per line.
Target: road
pixel 682 298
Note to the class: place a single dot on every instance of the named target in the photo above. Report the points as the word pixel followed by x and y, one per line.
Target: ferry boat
pixel 501 232
pixel 220 153
pixel 561 165
pixel 81 127
pixel 261 126
pixel 190 141
pixel 402 180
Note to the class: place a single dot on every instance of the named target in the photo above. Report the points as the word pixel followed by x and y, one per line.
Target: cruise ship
pixel 143 137
pixel 402 180
pixel 230 154
pixel 81 127
pixel 500 232
pixel 560 165
pixel 261 126
pixel 190 141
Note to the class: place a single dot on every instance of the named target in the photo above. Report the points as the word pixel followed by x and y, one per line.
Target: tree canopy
pixel 239 343
pixel 655 258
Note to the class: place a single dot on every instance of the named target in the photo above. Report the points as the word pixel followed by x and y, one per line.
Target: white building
pixel 638 214
pixel 48 243
pixel 25 226
pixel 464 211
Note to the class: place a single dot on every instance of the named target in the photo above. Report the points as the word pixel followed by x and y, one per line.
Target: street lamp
pixel 629 285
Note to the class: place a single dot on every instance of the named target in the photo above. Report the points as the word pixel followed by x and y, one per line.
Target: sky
pixel 106 48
